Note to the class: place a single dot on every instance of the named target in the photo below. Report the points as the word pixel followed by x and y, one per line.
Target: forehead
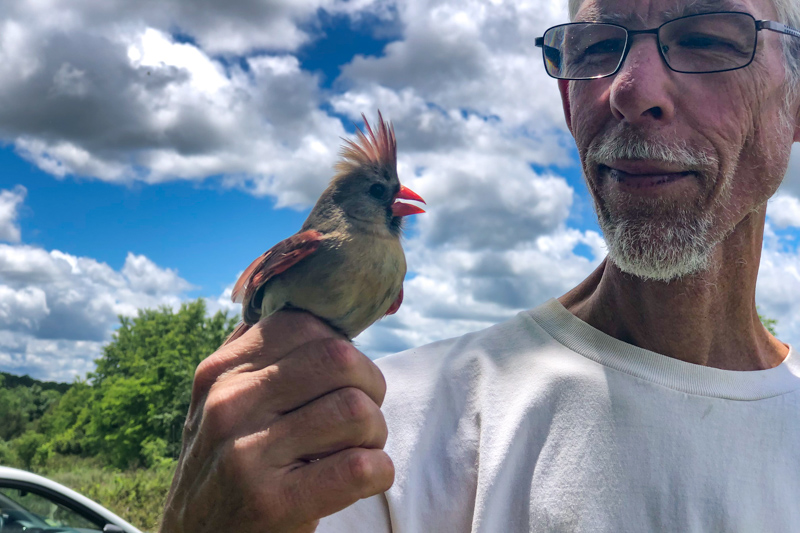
pixel 632 13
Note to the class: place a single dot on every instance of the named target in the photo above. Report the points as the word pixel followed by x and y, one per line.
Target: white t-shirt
pixel 544 423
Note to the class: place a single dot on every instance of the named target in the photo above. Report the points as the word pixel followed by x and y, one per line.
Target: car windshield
pixel 22 510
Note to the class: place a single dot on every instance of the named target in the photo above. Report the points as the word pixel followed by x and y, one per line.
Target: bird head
pixel 366 187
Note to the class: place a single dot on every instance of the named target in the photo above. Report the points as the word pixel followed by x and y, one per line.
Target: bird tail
pixel 240 330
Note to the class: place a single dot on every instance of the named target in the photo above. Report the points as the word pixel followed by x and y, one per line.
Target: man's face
pixel 675 161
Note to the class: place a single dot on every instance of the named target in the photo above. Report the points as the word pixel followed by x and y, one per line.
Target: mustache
pixel 629 144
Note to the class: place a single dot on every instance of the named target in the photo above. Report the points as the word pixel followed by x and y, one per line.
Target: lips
pixel 401 209
pixel 641 175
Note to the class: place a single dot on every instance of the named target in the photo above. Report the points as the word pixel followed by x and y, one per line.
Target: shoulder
pixel 439 391
pixel 413 376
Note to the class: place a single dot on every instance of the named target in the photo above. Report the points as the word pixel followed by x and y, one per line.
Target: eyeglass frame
pixel 770 25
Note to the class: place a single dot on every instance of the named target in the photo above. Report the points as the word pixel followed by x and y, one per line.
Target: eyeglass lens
pixel 701 43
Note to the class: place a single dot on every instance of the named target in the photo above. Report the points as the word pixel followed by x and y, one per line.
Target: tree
pixel 132 408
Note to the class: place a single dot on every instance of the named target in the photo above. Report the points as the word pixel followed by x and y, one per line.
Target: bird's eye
pixel 377 190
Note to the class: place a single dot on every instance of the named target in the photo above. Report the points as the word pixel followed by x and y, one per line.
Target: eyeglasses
pixel 695 44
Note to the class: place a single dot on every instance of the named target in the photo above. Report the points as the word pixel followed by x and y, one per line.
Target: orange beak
pixel 400 209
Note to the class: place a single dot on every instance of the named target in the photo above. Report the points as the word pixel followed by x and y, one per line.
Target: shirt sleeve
pixel 370 515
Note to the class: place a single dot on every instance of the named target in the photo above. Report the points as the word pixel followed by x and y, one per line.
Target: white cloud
pixel 10 201
pixel 457 290
pixel 52 301
pixel 47 359
pixel 145 276
pixel 784 211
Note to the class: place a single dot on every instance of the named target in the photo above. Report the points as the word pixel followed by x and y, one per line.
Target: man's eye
pixel 608 46
pixel 377 190
pixel 700 41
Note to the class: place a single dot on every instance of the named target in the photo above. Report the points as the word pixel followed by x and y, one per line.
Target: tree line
pixel 129 412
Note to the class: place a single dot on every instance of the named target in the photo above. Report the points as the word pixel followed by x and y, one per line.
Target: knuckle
pixel 205 375
pixel 219 409
pixel 359 467
pixel 339 356
pixel 353 404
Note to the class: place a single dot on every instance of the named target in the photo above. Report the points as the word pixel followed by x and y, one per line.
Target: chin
pixel 660 249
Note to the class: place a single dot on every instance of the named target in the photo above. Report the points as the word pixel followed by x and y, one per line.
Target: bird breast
pixel 350 281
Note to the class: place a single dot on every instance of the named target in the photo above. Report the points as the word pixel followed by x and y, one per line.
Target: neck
pixel 707 319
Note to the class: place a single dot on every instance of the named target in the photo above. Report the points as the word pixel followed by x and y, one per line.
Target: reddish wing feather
pixel 396 304
pixel 274 261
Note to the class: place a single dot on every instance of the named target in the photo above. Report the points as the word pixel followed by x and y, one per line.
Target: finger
pixel 246 403
pixel 266 342
pixel 313 370
pixel 324 487
pixel 346 418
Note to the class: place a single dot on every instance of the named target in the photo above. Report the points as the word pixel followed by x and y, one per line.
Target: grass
pixel 138 495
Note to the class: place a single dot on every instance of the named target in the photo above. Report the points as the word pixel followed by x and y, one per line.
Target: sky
pixel 150 150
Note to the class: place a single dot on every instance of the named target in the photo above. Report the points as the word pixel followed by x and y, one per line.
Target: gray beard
pixel 662 249
pixel 657 240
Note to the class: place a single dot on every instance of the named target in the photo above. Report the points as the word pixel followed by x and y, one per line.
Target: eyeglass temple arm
pixel 778 27
pixel 550 52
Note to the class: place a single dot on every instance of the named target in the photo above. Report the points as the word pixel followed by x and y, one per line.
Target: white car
pixel 34 504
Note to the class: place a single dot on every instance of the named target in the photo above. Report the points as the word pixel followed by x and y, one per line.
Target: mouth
pixel 642 176
pixel 402 209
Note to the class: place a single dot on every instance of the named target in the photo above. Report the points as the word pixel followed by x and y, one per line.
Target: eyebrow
pixel 704 6
pixel 597 14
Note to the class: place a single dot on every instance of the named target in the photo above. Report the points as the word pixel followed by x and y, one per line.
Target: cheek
pixel 590 100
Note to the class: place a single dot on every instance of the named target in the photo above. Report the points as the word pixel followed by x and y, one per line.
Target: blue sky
pixel 148 154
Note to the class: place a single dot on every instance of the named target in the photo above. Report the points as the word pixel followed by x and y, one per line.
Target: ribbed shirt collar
pixel 592 343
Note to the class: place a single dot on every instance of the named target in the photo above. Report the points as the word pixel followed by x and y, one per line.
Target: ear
pixel 563 88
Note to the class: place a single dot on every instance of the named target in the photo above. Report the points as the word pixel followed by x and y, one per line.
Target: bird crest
pixel 378 149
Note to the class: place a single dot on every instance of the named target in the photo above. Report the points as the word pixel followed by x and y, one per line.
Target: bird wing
pixel 277 259
pixel 396 304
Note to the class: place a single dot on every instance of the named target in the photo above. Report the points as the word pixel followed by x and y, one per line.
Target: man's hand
pixel 284 428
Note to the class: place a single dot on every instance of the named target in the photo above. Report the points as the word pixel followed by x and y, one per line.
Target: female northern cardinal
pixel 346 264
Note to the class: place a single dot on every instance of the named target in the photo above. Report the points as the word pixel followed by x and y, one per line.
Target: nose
pixel 643 88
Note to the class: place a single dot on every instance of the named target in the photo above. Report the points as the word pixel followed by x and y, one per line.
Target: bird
pixel 346 263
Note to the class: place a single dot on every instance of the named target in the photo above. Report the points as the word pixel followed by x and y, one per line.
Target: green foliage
pixel 133 410
pixel 27 447
pixel 11 381
pixel 95 435
pixel 137 495
pixel 8 455
pixel 21 406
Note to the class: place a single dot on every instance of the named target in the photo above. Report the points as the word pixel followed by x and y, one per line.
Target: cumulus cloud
pixel 56 305
pixel 142 106
pixel 233 27
pixel 113 94
pixel 10 201
pixel 784 211
pixel 458 290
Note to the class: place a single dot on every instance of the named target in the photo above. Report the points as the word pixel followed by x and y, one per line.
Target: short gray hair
pixel 789 14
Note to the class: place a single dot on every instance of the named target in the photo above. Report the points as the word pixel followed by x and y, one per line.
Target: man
pixel 648 398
